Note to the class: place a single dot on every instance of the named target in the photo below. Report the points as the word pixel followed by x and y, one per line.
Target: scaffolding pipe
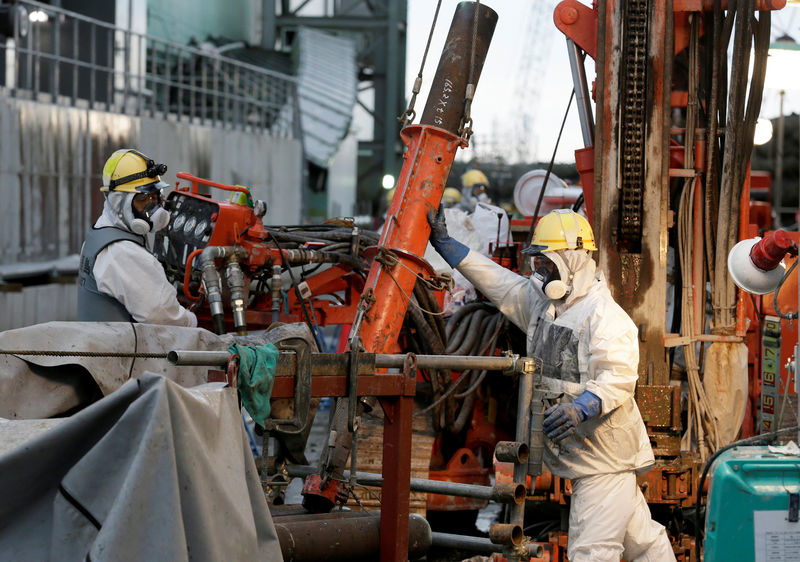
pixel 502 492
pixel 478 544
pixel 454 362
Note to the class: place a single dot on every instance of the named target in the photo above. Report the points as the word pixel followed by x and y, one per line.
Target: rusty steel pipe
pixel 445 106
pixel 502 492
pixel 334 537
pixel 507 534
pixel 511 451
pixel 478 544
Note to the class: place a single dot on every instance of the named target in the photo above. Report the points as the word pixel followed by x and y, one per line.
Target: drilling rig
pixel 666 181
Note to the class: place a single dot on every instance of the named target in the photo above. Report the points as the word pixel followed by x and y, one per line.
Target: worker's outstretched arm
pixel 512 294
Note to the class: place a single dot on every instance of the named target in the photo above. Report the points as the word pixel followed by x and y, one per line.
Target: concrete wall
pixel 50 163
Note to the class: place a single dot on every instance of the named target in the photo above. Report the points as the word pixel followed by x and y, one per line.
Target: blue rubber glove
pixel 450 249
pixel 562 420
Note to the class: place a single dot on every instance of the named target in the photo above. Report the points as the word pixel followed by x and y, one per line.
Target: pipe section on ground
pixel 343 535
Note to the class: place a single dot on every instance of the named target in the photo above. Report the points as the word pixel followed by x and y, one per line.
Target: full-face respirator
pixel 546 275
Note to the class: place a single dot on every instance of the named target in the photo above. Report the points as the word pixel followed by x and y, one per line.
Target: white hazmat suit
pixel 132 275
pixel 586 343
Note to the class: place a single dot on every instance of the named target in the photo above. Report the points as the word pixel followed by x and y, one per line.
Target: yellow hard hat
pixel 451 196
pixel 131 171
pixel 562 229
pixel 474 177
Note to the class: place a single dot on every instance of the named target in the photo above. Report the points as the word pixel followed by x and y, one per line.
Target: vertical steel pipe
pixel 581 87
pixel 517 511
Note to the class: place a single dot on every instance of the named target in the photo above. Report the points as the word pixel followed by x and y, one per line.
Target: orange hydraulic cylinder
pixel 426 165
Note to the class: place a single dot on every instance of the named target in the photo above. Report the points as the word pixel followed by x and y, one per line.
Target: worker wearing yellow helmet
pixel 451 197
pixel 118 279
pixel 474 189
pixel 588 350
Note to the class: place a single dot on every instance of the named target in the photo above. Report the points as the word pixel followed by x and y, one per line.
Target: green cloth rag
pixel 257 367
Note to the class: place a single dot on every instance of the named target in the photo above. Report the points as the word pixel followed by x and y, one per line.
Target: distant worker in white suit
pixel 589 352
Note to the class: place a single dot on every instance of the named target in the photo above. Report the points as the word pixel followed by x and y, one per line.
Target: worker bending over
pixel 589 352
pixel 119 280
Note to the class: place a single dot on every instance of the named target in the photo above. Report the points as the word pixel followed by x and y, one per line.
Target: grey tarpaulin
pixel 153 471
pixel 42 386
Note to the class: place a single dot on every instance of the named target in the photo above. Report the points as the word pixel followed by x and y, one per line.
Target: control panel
pixel 191 224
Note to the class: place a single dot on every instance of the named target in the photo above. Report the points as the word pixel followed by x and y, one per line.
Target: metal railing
pixel 70 59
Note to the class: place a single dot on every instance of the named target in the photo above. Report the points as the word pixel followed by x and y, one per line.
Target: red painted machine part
pixel 787 302
pixel 464 467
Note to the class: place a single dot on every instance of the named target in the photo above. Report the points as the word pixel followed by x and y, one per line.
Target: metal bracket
pixel 302 389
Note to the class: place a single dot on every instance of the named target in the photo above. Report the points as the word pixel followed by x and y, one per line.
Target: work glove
pixel 451 250
pixel 562 420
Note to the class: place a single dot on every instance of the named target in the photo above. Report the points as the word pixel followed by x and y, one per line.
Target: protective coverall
pixel 586 343
pixel 130 274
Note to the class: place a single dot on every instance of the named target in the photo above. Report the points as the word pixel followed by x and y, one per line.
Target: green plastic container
pixel 748 507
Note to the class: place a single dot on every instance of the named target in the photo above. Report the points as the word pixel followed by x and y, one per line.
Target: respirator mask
pixel 152 217
pixel 546 275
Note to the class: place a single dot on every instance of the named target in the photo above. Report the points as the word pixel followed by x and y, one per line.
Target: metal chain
pixel 56 353
pixel 465 128
pixel 408 115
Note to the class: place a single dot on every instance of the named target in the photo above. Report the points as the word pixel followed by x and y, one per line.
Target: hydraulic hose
pixel 427 301
pixel 454 321
pixel 472 334
pixel 303 256
pixel 465 413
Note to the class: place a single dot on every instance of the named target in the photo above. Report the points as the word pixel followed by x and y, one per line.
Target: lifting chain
pixel 408 115
pixel 632 121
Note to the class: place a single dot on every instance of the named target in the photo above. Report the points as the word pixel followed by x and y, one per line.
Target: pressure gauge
pixel 201 228
pixel 189 226
pixel 177 224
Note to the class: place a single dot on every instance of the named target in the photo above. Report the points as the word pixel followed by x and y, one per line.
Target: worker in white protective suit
pixel 118 279
pixel 589 352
